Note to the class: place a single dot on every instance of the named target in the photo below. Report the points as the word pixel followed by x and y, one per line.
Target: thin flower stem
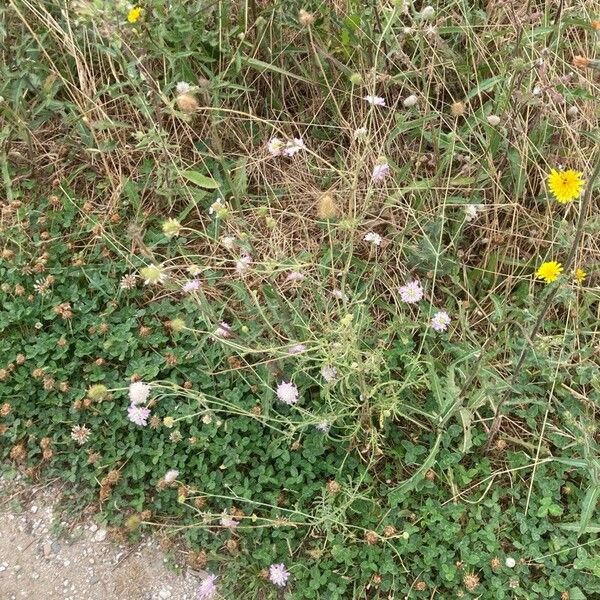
pixel 587 200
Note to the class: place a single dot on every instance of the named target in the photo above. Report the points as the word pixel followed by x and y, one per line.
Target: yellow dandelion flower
pixel 549 271
pixel 579 276
pixel 134 14
pixel 565 185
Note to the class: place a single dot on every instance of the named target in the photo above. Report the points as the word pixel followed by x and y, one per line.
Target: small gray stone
pixel 55 547
pixel 100 535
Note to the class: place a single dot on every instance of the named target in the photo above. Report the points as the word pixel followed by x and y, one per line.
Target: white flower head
pixel 293 146
pixel 412 292
pixel 183 87
pixel 410 101
pixel 243 264
pixel 171 475
pixel 287 392
pixel 440 321
pixel 275 146
pixel 218 208
pixel 373 238
pixel 360 133
pixel 494 120
pixel 337 293
pixel 428 12
pixel 139 392
pixel 375 100
pixel 323 426
pixel 228 241
pixel 510 562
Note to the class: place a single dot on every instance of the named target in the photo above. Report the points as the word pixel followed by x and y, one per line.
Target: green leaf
pixel 200 180
pixel 589 505
pixel 397 493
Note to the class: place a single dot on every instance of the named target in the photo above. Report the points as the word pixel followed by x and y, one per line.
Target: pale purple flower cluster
pixel 287 392
pixel 227 521
pixel 296 349
pixel 295 276
pixel 278 147
pixel 328 373
pixel 440 321
pixel 380 172
pixel 278 574
pixel 223 331
pixel 207 588
pixel 138 394
pixel 190 286
pixel 412 292
pixel 138 414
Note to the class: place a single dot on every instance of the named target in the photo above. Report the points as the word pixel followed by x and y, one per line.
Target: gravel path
pixel 81 563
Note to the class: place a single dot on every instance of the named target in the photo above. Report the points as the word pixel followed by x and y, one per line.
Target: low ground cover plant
pixel 310 290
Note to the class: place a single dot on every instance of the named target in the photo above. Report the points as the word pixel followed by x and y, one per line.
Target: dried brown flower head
pixel 327 207
pixel 334 487
pixel 371 538
pixel 471 581
pixel 187 103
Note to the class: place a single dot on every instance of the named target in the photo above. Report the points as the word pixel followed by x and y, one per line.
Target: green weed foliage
pixel 183 236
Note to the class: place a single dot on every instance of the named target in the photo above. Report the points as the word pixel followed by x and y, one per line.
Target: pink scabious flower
pixel 191 286
pixel 375 100
pixel 411 292
pixel 138 415
pixel 294 146
pixel 295 276
pixel 138 392
pixel 380 172
pixel 278 574
pixel 287 392
pixel 296 349
pixel 223 330
pixel 227 521
pixel 328 373
pixel 440 321
pixel 207 588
